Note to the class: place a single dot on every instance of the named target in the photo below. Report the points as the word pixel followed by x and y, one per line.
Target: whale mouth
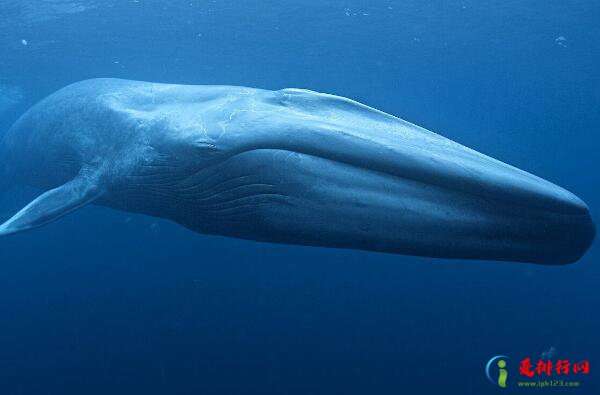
pixel 494 212
pixel 471 206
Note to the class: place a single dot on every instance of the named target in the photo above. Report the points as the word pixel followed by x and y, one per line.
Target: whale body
pixel 288 166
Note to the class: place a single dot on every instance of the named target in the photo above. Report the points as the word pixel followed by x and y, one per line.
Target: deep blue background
pixel 105 302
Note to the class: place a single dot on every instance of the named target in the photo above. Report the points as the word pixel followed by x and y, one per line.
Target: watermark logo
pixel 497 364
pixel 502 372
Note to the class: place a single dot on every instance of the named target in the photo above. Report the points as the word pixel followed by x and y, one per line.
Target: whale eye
pixel 204 145
pixel 204 148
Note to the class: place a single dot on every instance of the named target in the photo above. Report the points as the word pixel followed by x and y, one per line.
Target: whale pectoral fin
pixel 52 205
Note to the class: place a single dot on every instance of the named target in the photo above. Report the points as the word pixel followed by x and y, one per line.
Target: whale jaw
pixel 289 197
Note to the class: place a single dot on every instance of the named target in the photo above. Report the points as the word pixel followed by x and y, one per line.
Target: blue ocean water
pixel 107 302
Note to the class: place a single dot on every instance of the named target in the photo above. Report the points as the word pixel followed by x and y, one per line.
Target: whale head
pixel 301 167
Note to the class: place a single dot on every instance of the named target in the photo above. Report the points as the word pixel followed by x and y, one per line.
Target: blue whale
pixel 289 166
